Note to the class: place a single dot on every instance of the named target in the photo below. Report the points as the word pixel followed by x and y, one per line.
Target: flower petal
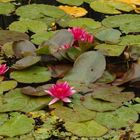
pixel 53 101
pixel 47 91
pixel 66 100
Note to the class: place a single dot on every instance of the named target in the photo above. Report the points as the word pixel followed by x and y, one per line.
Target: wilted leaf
pixel 39 91
pixel 122 117
pixel 26 62
pixel 7 85
pixel 18 124
pixel 23 48
pixel 74 11
pixel 99 105
pixel 86 129
pixel 87 68
pixel 10 36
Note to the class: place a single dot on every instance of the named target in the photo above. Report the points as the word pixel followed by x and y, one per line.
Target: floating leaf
pixel 25 25
pixel 10 36
pixel 77 114
pixel 122 117
pixel 112 94
pixel 136 128
pixel 23 48
pixel 26 62
pixel 36 11
pixel 87 68
pixel 86 129
pixel 18 124
pixel 6 8
pixel 99 105
pixel 74 11
pixel 40 37
pixel 3 118
pixel 110 7
pixel 71 2
pixel 33 74
pixel 14 100
pixel 127 22
pixel 108 35
pixel 110 50
pixel 84 22
pixel 7 85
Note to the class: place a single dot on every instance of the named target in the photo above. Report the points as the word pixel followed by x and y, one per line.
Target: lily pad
pixel 7 85
pixel 36 11
pixel 136 128
pixel 14 100
pixel 26 62
pixel 86 129
pixel 25 25
pixel 122 117
pixel 127 22
pixel 18 124
pixel 23 48
pixel 87 68
pixel 99 105
pixel 40 37
pixel 108 35
pixel 112 94
pixel 110 7
pixel 10 36
pixel 110 50
pixel 33 74
pixel 71 2
pixel 6 8
pixel 84 22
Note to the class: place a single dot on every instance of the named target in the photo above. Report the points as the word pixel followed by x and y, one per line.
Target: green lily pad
pixel 127 22
pixel 99 105
pixel 6 8
pixel 40 37
pixel 26 62
pixel 110 50
pixel 130 40
pixel 110 7
pixel 136 128
pixel 11 36
pixel 86 129
pixel 36 11
pixel 84 22
pixel 108 35
pixel 87 68
pixel 18 124
pixel 33 74
pixel 71 2
pixel 77 114
pixel 25 25
pixel 14 100
pixel 7 85
pixel 112 94
pixel 122 117
pixel 3 118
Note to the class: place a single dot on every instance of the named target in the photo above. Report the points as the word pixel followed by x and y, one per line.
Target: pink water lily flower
pixel 81 35
pixel 60 91
pixel 3 69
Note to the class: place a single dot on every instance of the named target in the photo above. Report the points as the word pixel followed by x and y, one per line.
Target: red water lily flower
pixel 81 35
pixel 60 91
pixel 3 69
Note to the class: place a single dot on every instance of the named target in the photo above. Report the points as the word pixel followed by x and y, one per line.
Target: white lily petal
pixel 66 100
pixel 53 101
